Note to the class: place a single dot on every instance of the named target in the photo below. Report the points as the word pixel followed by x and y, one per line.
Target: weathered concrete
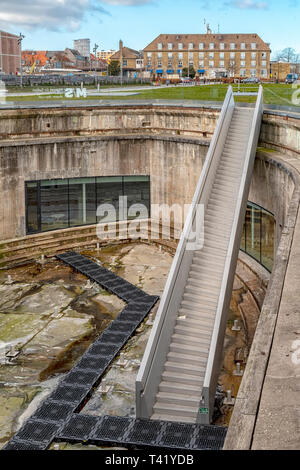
pixel 171 162
pixel 262 417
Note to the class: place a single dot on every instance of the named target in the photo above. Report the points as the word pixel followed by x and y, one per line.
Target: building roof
pixel 206 39
pixel 127 53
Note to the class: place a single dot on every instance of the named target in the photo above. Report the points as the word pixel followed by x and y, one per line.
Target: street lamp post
pixel 20 39
pixel 95 51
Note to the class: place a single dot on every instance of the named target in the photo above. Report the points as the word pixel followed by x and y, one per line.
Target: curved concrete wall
pixel 61 143
pixel 173 163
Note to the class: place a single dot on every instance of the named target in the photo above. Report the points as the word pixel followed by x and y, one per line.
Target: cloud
pixel 52 15
pixel 127 2
pixel 248 4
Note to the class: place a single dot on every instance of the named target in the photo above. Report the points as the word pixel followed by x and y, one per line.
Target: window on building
pixel 253 45
pixel 253 55
pixel 243 63
pixel 232 45
pixel 63 203
pixel 243 72
pixel 253 72
pixel 263 63
pixel 232 55
pixel 221 63
pixel 180 46
pixel 253 63
pixel 211 45
pixel 263 55
pixel 170 46
pixel 222 55
pixel 222 46
pixel 201 63
pixel 258 235
pixel 201 45
pixel 243 45
pixel 211 63
pixel 159 46
pixel 170 55
pixel 263 73
pixel 180 55
pixel 201 55
pixel 243 55
pixel 211 55
pixel 125 63
pixel 191 45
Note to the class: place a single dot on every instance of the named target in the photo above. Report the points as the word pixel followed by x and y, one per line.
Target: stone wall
pixel 173 163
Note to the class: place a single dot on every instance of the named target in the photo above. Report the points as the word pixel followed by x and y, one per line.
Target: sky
pixel 54 24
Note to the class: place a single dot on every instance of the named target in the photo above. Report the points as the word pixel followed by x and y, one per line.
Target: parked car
pixel 250 80
pixel 291 78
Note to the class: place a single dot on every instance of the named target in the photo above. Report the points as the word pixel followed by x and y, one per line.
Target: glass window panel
pixel 54 204
pixel 137 190
pixel 82 201
pixel 267 240
pixel 109 190
pixel 243 239
pixel 253 216
pixel 32 207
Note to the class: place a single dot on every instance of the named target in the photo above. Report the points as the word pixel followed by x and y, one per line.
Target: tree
pixel 287 55
pixel 114 68
pixel 188 72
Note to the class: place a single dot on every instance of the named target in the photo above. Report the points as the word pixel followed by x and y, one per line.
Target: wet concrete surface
pixel 49 315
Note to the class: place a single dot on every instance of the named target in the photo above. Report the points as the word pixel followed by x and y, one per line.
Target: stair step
pixel 192 340
pixel 187 359
pixel 177 387
pixel 182 368
pixel 182 399
pixel 179 329
pixel 175 410
pixel 175 419
pixel 201 313
pixel 195 381
pixel 189 349
pixel 205 325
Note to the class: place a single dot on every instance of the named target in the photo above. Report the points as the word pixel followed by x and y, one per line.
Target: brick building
pixel 9 53
pixel 211 55
pixel 131 61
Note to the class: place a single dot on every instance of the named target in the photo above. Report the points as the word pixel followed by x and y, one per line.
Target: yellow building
pixel 211 55
pixel 131 61
pixel 279 70
pixel 105 55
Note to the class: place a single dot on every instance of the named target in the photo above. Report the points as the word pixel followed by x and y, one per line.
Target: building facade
pixel 131 61
pixel 83 46
pixel 279 70
pixel 211 55
pixel 9 53
pixel 105 55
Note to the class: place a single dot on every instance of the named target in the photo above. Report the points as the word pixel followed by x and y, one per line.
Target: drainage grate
pixel 98 364
pixel 114 337
pixel 79 428
pixel 111 428
pixel 52 411
pixel 69 393
pixel 100 349
pixel 77 376
pixel 145 431
pixel 177 435
pixel 38 431
pixel 16 444
pixel 210 438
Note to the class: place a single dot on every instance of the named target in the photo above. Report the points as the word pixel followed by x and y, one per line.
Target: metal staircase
pixel 178 376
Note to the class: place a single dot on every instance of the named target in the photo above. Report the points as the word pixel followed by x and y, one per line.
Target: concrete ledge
pixel 248 411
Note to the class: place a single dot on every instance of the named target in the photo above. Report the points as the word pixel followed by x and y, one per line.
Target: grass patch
pixel 279 94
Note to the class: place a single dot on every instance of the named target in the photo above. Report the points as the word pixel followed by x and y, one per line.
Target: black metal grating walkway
pixel 57 417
